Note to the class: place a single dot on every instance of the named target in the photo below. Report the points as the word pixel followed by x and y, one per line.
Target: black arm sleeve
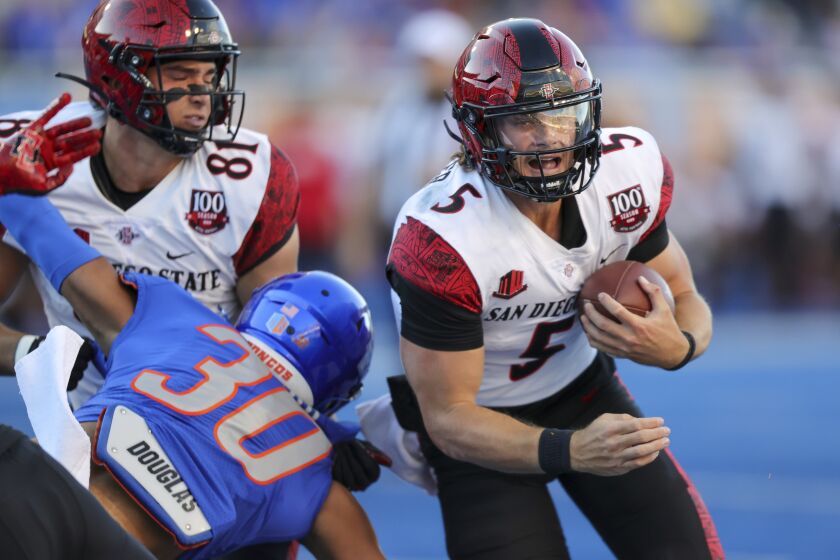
pixel 653 244
pixel 433 323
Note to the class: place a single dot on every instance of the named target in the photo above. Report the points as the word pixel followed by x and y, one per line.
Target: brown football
pixel 621 281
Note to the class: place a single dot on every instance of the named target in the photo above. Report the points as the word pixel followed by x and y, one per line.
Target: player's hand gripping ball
pixel 620 280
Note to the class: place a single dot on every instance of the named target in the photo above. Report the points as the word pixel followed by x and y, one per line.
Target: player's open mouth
pixel 548 164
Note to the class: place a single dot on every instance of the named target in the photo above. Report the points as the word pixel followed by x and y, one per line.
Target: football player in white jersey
pixel 486 264
pixel 178 190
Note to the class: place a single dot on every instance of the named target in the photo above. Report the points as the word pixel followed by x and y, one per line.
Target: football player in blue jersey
pixel 205 437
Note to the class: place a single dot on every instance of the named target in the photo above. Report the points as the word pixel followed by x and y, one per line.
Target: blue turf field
pixel 755 424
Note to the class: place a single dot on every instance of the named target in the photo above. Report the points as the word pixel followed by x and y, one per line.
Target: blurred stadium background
pixel 742 95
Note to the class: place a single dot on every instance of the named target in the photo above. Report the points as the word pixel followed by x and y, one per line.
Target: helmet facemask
pixel 545 150
pixel 151 117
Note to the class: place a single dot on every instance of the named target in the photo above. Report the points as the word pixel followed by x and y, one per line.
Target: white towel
pixel 42 377
pixel 380 426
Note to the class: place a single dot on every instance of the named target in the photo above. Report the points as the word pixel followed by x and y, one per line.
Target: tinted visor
pixel 551 129
pixel 545 143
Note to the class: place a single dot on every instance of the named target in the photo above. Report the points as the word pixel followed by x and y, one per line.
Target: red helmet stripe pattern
pixel 535 48
pixel 158 23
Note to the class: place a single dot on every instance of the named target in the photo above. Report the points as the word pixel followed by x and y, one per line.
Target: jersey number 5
pixel 457 200
pixel 539 350
pixel 305 444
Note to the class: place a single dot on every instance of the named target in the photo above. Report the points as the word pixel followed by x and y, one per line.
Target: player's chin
pixel 192 129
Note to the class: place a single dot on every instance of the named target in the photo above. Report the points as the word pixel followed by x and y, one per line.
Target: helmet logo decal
pixel 208 211
pixel 629 209
pixel 279 322
pixel 548 91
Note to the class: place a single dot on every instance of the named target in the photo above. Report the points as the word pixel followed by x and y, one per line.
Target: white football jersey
pixel 220 212
pixel 461 239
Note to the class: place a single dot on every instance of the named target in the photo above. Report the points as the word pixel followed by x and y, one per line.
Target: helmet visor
pixel 542 143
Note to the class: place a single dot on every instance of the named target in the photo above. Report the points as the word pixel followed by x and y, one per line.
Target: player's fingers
pixel 648 422
pixel 58 179
pixel 77 154
pixel 52 110
pixel 641 461
pixel 68 127
pixel 644 436
pixel 601 340
pixel 626 424
pixel 645 449
pixel 654 292
pixel 600 320
pixel 76 140
pixel 620 424
pixel 616 309
pixel 589 328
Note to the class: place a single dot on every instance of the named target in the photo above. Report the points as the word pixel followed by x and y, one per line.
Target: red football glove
pixel 28 158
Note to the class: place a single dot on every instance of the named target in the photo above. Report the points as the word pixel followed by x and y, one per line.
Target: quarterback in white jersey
pixel 178 189
pixel 474 249
pixel 510 388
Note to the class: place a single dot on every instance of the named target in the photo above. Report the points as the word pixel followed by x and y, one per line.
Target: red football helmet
pixel 123 39
pixel 528 109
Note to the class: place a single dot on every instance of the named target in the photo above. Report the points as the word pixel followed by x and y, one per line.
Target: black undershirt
pixel 436 324
pixel 123 200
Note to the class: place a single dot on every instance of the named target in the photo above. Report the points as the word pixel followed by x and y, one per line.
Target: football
pixel 620 280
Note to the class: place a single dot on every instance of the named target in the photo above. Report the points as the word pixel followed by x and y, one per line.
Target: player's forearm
pixel 475 434
pixel 694 315
pixel 100 300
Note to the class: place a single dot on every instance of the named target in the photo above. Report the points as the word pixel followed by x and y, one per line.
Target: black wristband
pixel 554 455
pixel 692 347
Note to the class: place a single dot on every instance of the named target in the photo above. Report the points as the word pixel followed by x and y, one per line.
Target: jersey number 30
pixel 221 382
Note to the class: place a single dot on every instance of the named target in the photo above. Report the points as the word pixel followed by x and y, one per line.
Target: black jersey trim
pixel 572 231
pixel 656 242
pixel 122 199
pixel 433 323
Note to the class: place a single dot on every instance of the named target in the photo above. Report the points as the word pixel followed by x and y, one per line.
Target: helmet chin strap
pixel 296 384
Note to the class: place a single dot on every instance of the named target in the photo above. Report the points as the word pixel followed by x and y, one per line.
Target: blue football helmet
pixel 321 326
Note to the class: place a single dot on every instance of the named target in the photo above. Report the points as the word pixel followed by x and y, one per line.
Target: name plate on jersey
pixel 132 449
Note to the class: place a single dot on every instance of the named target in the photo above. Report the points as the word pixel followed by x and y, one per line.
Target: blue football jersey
pixel 201 432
